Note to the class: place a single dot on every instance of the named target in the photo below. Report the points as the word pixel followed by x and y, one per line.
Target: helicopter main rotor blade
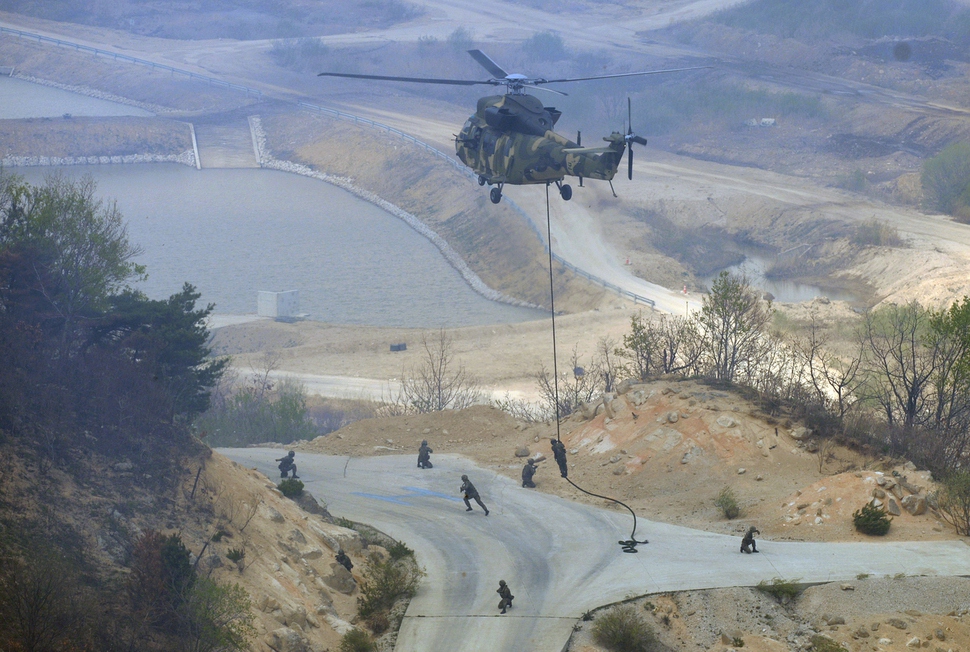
pixel 622 74
pixel 486 62
pixel 417 80
pixel 547 90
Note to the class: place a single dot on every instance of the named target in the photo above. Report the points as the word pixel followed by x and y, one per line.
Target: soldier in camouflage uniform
pixel 286 465
pixel 424 455
pixel 747 543
pixel 528 471
pixel 469 492
pixel 506 594
pixel 559 452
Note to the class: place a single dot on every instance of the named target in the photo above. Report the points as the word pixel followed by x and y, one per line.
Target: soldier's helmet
pixel 424 442
pixel 552 439
pixel 291 454
pixel 501 582
pixel 464 477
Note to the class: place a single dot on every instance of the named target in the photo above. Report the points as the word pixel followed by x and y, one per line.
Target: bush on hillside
pixel 727 502
pixel 871 520
pixel 623 629
pixel 291 487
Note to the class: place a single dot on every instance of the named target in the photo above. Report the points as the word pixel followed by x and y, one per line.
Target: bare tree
pixel 575 387
pixel 640 346
pixel 610 366
pixel 832 378
pixel 439 383
pixel 678 345
pixel 898 365
pixel 733 322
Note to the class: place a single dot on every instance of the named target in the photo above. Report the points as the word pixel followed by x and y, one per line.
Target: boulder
pixel 878 493
pixel 522 451
pixel 341 580
pixel 914 642
pixel 285 639
pixel 673 417
pixel 898 623
pixel 272 514
pixel 801 433
pixel 294 616
pixel 726 422
pixel 913 504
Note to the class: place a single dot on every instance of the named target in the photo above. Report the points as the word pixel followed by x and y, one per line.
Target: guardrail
pixel 460 167
pixel 124 57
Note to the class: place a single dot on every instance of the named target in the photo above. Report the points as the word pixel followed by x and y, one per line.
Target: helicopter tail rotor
pixel 631 138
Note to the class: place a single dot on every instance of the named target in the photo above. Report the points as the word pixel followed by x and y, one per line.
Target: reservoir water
pixel 785 291
pixel 232 232
pixel 23 99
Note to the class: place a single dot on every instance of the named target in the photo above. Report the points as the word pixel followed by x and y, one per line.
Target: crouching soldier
pixel 344 560
pixel 747 543
pixel 528 471
pixel 506 594
pixel 424 455
pixel 287 465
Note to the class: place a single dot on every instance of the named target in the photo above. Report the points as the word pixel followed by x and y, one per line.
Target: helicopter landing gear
pixel 565 191
pixel 495 194
pixel 481 180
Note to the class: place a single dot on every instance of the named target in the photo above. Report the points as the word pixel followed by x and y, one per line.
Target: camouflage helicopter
pixel 510 139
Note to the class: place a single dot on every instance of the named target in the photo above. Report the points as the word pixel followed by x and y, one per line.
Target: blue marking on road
pixel 417 491
pixel 390 499
pixel 413 492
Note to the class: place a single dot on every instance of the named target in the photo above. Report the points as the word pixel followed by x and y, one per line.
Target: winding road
pixel 560 559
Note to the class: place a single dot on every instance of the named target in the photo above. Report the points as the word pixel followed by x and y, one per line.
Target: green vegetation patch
pixel 623 629
pixel 871 520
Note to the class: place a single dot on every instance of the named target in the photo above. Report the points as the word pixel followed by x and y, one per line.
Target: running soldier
pixel 469 492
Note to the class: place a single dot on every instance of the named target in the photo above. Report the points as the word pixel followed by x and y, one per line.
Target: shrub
pixel 378 622
pixel 727 502
pixel 825 644
pixel 878 234
pixel 400 550
pixel 871 520
pixel 384 583
pixel 291 487
pixel 954 501
pixel 235 554
pixel 356 641
pixel 779 589
pixel 623 629
pixel 946 179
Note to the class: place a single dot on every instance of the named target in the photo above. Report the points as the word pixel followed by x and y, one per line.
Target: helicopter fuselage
pixel 510 140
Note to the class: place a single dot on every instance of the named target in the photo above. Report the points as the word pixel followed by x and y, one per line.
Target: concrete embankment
pixel 185 158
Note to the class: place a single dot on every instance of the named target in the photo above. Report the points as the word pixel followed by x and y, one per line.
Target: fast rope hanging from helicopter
pixel 628 545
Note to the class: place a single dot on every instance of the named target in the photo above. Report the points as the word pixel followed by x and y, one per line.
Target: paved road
pixel 560 558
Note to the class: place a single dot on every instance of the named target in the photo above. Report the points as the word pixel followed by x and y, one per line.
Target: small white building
pixel 278 305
